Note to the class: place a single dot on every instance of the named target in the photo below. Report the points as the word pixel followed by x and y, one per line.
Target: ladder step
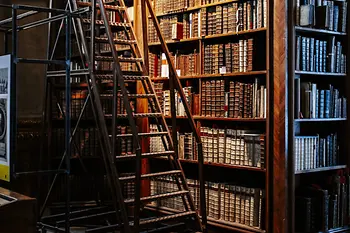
pixel 112 24
pixel 158 196
pixel 130 96
pixel 137 115
pixel 130 78
pixel 152 175
pixel 108 7
pixel 121 59
pixel 168 217
pixel 155 134
pixel 115 41
pixel 144 155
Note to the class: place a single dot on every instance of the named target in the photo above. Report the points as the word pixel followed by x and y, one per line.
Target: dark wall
pixel 32 43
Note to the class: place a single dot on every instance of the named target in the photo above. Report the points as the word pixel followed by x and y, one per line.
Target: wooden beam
pixel 279 116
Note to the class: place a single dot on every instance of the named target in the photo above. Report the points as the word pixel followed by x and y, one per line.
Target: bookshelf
pixel 256 76
pixel 318 163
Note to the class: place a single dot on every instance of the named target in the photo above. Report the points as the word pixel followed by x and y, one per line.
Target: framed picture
pixel 5 79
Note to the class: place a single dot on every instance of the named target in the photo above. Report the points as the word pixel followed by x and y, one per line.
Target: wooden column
pixel 279 116
pixel 142 104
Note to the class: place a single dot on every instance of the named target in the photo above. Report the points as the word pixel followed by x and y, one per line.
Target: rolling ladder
pixel 108 26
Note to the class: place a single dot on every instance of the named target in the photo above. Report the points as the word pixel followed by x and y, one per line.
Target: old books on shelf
pixel 322 14
pixel 225 202
pixel 229 58
pixel 241 100
pixel 320 55
pixel 316 151
pixel 236 147
pixel 314 103
pixel 323 207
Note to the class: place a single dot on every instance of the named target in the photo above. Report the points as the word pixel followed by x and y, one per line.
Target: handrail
pixel 174 78
pixel 118 79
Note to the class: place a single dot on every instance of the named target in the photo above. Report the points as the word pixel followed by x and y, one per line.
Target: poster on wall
pixel 5 79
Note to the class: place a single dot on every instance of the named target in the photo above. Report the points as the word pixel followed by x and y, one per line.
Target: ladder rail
pixel 175 79
pixel 119 75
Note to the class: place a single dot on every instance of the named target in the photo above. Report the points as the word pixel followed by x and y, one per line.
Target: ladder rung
pixel 158 196
pixel 152 175
pixel 130 96
pixel 155 134
pixel 109 7
pixel 112 24
pixel 168 217
pixel 130 77
pixel 121 59
pixel 145 155
pixel 137 115
pixel 115 41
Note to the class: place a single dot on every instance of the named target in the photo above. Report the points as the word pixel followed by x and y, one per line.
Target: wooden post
pixel 279 115
pixel 142 104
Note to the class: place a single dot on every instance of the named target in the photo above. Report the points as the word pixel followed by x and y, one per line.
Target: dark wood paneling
pixel 279 116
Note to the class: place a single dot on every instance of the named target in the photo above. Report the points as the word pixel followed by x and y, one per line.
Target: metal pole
pixel 68 118
pixel 13 100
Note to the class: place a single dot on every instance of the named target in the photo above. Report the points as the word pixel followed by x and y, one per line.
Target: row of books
pixel 231 57
pixel 164 100
pixel 243 100
pixel 185 64
pixel 237 147
pixel 233 17
pixel 176 27
pixel 323 14
pixel 316 151
pixel 313 102
pixel 167 6
pixel 320 55
pixel 86 141
pixel 225 146
pixel 231 203
pixel 322 207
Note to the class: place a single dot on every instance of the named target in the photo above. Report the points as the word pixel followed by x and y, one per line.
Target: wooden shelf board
pixel 321 169
pixel 175 41
pixel 211 221
pixel 216 36
pixel 229 119
pixel 200 76
pixel 320 119
pixel 319 73
pixel 232 166
pixel 316 30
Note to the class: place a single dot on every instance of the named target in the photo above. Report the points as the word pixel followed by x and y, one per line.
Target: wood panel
pixel 279 116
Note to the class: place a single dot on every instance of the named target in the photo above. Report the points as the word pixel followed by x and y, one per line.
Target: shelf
pixel 320 119
pixel 338 230
pixel 321 169
pixel 62 73
pixel 237 227
pixel 216 36
pixel 175 41
pixel 200 76
pixel 189 9
pixel 229 119
pixel 222 165
pixel 319 73
pixel 318 31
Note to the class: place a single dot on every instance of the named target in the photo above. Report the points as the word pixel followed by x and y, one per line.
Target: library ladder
pixel 109 26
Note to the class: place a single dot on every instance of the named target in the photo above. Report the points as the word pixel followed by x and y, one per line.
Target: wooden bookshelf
pixel 260 72
pixel 331 79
